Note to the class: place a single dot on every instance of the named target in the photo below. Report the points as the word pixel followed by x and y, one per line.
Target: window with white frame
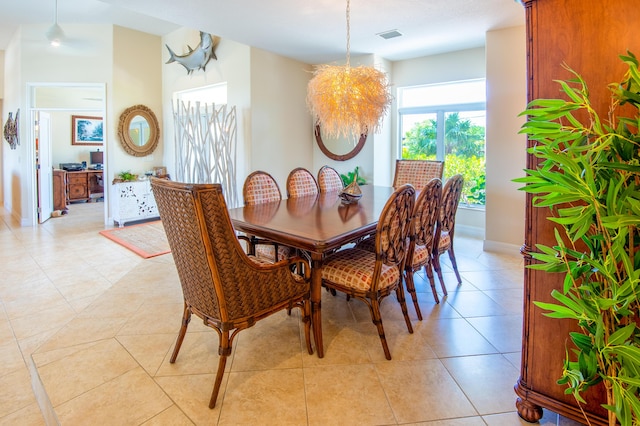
pixel 446 122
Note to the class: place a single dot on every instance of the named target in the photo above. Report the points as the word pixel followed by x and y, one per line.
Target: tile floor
pixel 86 330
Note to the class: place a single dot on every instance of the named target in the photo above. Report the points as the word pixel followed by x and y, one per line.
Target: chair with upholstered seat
pixel 371 276
pixel 229 290
pixel 259 188
pixel 417 172
pixel 329 180
pixel 422 240
pixel 301 183
pixel 446 225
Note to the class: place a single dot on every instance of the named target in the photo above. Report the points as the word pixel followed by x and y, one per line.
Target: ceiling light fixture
pixel 54 34
pixel 348 101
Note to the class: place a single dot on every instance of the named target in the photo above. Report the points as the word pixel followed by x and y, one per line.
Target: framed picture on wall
pixel 86 130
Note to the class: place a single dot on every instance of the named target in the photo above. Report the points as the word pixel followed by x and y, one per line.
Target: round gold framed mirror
pixel 339 149
pixel 138 131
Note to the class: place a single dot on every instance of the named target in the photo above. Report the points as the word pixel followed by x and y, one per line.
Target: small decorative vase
pixel 351 194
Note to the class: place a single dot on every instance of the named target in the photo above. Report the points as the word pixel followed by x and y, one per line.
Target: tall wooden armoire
pixel 588 36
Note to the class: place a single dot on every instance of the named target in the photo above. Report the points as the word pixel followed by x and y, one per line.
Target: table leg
pixel 316 296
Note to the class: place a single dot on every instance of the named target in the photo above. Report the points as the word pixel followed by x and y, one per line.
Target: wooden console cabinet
pixel 83 184
pixel 588 36
pixel 59 190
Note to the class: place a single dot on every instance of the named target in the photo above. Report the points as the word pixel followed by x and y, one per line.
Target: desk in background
pixel 81 185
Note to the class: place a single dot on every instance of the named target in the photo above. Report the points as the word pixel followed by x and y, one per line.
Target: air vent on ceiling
pixel 390 34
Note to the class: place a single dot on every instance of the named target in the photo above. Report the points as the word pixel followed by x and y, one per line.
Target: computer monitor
pixel 96 159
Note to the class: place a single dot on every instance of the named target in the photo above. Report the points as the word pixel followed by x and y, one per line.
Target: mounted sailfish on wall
pixel 197 58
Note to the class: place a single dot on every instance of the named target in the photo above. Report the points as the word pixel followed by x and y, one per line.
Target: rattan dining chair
pixel 417 172
pixel 229 290
pixel 329 180
pixel 446 226
pixel 301 183
pixel 422 240
pixel 371 276
pixel 260 187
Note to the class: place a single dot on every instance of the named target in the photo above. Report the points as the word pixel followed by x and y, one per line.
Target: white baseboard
pixel 470 231
pixel 499 247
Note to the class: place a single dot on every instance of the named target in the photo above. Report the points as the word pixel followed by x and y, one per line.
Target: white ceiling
pixel 310 31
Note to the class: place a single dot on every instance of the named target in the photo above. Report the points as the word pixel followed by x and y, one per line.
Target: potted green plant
pixel 589 179
pixel 125 176
pixel 353 176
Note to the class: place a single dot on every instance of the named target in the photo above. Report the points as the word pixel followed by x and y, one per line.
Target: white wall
pixel 281 126
pixel 62 151
pixel 14 180
pixel 506 98
pixel 503 64
pixel 30 59
pixel 93 54
pixel 232 66
pixel 137 80
pixel 2 121
pixel 453 66
pixel 274 129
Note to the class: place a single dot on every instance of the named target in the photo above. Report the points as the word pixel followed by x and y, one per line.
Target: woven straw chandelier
pixel 348 101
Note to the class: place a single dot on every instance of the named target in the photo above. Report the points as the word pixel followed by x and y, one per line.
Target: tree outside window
pixel 453 133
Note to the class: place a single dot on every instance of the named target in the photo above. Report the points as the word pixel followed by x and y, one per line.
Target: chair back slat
pixel 394 226
pixel 450 199
pixel 426 214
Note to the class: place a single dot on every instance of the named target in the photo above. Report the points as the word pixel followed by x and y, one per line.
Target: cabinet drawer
pixel 81 180
pixel 77 191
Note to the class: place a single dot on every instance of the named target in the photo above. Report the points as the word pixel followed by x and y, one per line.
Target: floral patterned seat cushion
pixel 445 242
pixel 354 267
pixel 420 256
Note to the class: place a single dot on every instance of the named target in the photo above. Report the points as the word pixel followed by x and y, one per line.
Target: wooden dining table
pixel 317 224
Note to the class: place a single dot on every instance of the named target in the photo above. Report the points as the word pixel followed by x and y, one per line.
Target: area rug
pixel 146 239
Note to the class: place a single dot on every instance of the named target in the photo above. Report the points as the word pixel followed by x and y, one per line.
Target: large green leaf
pixel 557 311
pixel 621 335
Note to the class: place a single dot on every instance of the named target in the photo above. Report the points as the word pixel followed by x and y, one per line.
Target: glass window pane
pixel 419 134
pixel 464 142
pixel 447 122
pixel 453 93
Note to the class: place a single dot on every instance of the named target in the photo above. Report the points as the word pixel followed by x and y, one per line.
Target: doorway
pixel 60 102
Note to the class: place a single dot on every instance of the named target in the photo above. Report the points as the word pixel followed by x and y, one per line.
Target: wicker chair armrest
pixel 302 266
pixel 244 238
pixel 253 241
